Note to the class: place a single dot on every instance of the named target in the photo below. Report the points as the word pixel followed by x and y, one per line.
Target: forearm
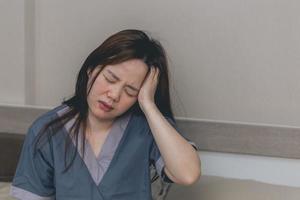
pixel 180 158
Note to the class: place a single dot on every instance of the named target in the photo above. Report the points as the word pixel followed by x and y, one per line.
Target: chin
pixel 98 113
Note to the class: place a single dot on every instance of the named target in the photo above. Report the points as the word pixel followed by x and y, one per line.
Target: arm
pixel 181 159
pixel 182 163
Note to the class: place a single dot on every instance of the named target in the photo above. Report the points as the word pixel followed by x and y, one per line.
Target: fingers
pixel 154 73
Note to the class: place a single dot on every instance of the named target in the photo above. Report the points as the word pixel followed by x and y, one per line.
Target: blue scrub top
pixel 120 171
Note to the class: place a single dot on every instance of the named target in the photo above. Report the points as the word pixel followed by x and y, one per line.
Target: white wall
pixel 232 61
pixel 12 80
pixel 239 57
pixel 279 171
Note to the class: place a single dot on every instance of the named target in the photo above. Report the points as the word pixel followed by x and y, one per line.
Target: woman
pixel 100 143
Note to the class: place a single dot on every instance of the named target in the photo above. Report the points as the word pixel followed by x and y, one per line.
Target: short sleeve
pixel 33 179
pixel 156 157
pixel 158 163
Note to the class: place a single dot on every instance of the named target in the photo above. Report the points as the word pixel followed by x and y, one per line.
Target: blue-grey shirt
pixel 120 171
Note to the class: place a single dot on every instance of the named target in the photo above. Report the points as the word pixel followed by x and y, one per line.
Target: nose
pixel 114 93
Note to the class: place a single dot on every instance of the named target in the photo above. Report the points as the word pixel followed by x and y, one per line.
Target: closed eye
pixel 131 95
pixel 111 81
pixel 108 80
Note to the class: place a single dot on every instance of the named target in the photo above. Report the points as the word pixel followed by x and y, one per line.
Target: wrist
pixel 147 107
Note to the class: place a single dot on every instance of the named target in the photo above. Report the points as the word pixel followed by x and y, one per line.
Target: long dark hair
pixel 120 47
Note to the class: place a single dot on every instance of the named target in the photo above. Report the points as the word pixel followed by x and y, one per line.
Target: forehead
pixel 132 69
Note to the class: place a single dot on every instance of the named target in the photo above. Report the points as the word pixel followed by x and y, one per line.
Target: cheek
pixel 127 102
pixel 99 86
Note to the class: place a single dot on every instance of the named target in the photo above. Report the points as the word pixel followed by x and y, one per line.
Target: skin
pixel 114 92
pixel 182 163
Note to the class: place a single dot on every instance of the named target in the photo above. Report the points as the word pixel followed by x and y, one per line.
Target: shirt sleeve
pixel 157 159
pixel 33 179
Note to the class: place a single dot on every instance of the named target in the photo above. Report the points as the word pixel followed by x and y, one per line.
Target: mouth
pixel 104 106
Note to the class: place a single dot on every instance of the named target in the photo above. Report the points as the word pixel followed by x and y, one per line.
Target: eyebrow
pixel 116 77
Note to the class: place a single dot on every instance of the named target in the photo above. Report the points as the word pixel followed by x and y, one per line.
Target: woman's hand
pixel 147 91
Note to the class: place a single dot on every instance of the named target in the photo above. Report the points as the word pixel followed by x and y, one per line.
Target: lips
pixel 106 106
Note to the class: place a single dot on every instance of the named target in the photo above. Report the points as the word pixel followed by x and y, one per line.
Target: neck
pixel 98 126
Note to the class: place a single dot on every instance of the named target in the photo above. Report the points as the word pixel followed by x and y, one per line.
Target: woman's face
pixel 117 86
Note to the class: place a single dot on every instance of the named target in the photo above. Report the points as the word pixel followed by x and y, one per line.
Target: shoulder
pixel 44 119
